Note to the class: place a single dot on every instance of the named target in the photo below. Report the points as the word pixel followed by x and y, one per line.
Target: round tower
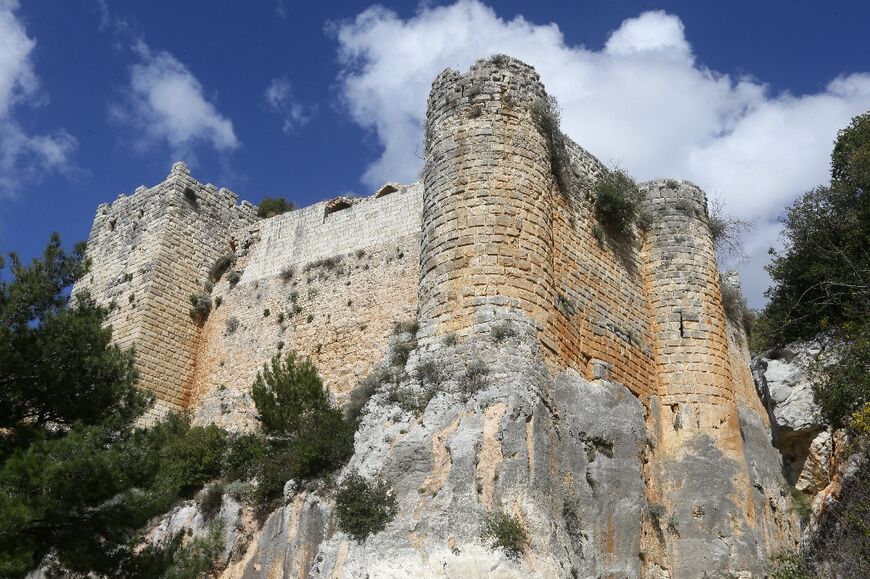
pixel 689 329
pixel 486 247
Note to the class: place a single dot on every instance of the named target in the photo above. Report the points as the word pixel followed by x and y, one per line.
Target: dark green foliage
pixel 401 351
pixel 505 531
pixel 404 343
pixel 842 389
pixel 201 307
pixel 287 273
pixel 57 364
pixel 221 265
pixel 211 499
pixel 474 379
pixel 364 507
pixel 189 457
pixel 232 324
pixel 327 263
pixel 270 207
pixel 617 202
pixel 450 339
pixel 286 392
pixel 406 327
pixel 244 452
pixel 308 436
pixel 86 495
pixel 503 331
pixel 77 479
pixel 194 560
pixel 429 374
pixel 850 159
pixel 499 59
pixel 598 233
pixel 656 511
pixel 234 278
pixel 791 565
pixel 821 279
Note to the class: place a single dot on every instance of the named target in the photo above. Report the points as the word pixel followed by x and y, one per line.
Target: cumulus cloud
pixel 23 156
pixel 280 100
pixel 642 101
pixel 164 103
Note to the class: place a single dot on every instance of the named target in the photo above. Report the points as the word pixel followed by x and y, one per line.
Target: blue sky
pixel 314 99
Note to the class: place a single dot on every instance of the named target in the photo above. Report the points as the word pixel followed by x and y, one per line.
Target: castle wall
pixel 600 309
pixel 692 357
pixel 332 296
pixel 487 241
pixel 158 246
pixel 341 318
pixel 312 233
pixel 502 242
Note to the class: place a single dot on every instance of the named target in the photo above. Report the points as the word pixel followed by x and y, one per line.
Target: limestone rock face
pixel 784 385
pixel 574 480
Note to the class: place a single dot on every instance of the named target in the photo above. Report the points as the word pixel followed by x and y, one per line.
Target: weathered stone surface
pixel 784 385
pixel 618 420
pixel 506 448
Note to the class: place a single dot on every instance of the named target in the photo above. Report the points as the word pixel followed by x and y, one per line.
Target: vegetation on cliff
pixel 821 284
pixel 78 479
pixel 821 279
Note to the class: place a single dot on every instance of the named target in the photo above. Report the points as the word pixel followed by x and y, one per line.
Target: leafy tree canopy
pixel 821 279
pixel 78 479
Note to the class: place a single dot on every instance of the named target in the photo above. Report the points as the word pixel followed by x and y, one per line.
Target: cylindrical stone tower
pixel 486 249
pixel 700 471
pixel 689 330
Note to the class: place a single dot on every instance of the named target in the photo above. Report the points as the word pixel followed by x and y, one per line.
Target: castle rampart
pixel 686 304
pixel 497 240
pixel 150 252
pixel 487 240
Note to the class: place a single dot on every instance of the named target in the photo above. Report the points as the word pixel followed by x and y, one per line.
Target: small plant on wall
pixel 617 202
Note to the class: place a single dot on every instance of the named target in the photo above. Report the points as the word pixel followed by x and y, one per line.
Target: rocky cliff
pixel 587 384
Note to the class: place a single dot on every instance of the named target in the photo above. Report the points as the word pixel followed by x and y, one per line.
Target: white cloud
pixel 23 157
pixel 642 101
pixel 280 100
pixel 651 32
pixel 165 103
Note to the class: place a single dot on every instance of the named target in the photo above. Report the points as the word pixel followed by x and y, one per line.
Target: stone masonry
pixel 488 238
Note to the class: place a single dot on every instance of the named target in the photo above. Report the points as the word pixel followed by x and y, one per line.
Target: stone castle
pixel 487 237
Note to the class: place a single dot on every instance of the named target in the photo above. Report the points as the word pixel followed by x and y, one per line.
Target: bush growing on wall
pixel 201 307
pixel 505 531
pixel 270 207
pixel 546 116
pixel 617 202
